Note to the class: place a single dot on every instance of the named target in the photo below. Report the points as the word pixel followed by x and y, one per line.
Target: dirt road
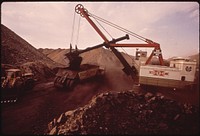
pixel 32 113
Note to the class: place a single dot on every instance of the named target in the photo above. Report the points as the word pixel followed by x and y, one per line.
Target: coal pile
pixel 17 51
pixel 128 112
pixel 57 55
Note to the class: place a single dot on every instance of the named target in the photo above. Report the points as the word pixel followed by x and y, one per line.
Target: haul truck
pixel 14 83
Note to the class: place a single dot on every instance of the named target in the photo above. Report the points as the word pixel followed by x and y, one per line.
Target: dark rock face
pixel 128 112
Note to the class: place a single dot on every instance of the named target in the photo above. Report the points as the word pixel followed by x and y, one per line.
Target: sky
pixel 174 25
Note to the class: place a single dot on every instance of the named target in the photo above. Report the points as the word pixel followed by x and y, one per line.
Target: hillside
pixel 195 57
pixel 192 57
pixel 16 51
pixel 57 55
pixel 101 56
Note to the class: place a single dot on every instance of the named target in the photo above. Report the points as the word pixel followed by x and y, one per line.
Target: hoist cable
pixel 103 28
pixel 77 38
pixel 118 27
pixel 72 29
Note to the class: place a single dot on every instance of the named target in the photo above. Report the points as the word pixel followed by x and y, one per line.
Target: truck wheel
pixel 70 83
pixel 57 83
pixel 56 80
pixel 29 84
pixel 18 89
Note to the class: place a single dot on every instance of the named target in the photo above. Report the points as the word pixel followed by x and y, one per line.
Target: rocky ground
pixel 128 112
pixel 100 107
pixel 37 107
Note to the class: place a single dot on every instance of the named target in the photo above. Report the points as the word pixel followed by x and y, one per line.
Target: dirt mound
pixel 16 51
pixel 128 112
pixel 40 70
pixel 101 56
pixel 104 57
pixel 57 55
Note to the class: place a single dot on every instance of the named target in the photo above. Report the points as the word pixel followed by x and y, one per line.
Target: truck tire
pixel 70 83
pixel 29 84
pixel 18 89
pixel 57 83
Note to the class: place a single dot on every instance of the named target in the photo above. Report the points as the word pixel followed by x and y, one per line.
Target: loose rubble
pixel 128 112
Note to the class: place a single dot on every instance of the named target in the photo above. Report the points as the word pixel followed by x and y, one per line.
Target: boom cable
pixel 119 27
pixel 104 28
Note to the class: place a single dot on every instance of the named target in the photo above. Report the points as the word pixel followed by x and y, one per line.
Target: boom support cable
pixel 104 28
pixel 120 28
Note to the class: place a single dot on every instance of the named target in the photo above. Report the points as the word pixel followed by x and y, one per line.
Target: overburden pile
pixel 128 112
pixel 17 51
